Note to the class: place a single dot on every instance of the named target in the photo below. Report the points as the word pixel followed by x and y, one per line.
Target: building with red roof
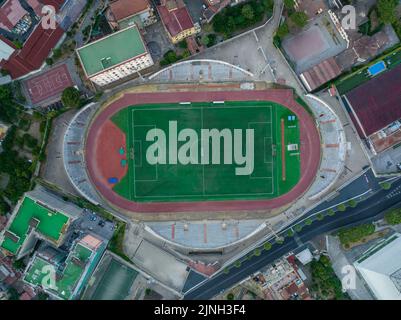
pixel 125 13
pixel 34 52
pixel 176 20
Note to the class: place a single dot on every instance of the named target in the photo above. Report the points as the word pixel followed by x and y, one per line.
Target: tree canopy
pixel 71 97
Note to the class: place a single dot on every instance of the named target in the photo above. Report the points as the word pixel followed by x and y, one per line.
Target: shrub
pixel 355 234
pixel 352 203
pixel 267 246
pixel 393 217
pixel 341 207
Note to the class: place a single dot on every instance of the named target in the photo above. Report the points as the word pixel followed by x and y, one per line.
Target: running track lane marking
pixel 283 150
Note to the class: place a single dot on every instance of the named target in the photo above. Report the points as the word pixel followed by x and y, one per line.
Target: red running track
pixel 309 146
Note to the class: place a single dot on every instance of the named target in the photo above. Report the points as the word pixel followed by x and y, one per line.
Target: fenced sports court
pixel 114 282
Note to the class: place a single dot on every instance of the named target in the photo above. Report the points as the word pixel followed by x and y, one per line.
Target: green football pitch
pixel 276 165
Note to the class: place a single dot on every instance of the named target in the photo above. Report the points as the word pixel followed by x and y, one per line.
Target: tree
pixel 267 246
pixel 300 19
pixel 71 97
pixel 298 228
pixel 49 61
pixel 283 30
pixel 387 11
pixel 352 203
pixel 237 264
pixel 257 252
pixel 308 222
pixel 290 233
pixel 393 217
pixel 248 12
pixel 331 212
pixel 320 216
pixel 289 4
pixel 341 207
pixel 385 185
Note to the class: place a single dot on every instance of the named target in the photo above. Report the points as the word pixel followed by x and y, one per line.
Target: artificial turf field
pixel 276 170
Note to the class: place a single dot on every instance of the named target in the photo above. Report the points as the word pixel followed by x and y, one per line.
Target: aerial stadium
pixel 192 193
pixel 285 159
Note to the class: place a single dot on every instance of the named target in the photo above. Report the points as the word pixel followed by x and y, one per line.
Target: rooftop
pixel 377 103
pixel 10 13
pixel 33 214
pixel 175 20
pixel 80 263
pixel 111 50
pixel 122 9
pixel 380 270
pixel 34 53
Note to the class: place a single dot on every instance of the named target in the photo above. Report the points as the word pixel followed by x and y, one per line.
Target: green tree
pixel 385 185
pixel 320 216
pixel 308 222
pixel 289 4
pixel 393 217
pixel 298 228
pixel 237 264
pixel 341 207
pixel 267 246
pixel 257 252
pixel 299 18
pixel 352 203
pixel 387 11
pixel 331 212
pixel 247 12
pixel 71 97
pixel 283 30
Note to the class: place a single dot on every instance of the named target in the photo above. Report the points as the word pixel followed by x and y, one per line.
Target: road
pixel 368 210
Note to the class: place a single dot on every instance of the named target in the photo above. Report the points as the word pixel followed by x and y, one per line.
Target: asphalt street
pixel 368 210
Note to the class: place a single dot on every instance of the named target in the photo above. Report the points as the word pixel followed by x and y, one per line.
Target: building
pixel 374 108
pixel 176 20
pixel 320 74
pixel 381 270
pixel 71 275
pixel 115 57
pixel 125 13
pixel 282 280
pixel 34 52
pixel 38 215
pixel 7 48
pixel 11 14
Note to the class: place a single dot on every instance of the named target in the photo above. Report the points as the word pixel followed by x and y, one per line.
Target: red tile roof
pixel 377 103
pixel 322 73
pixel 34 53
pixel 176 20
pixel 122 9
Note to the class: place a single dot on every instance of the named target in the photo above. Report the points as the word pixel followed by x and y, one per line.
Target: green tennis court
pixel 275 167
pixel 115 282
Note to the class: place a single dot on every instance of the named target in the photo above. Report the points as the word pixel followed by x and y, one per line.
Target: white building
pixel 380 267
pixel 115 57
